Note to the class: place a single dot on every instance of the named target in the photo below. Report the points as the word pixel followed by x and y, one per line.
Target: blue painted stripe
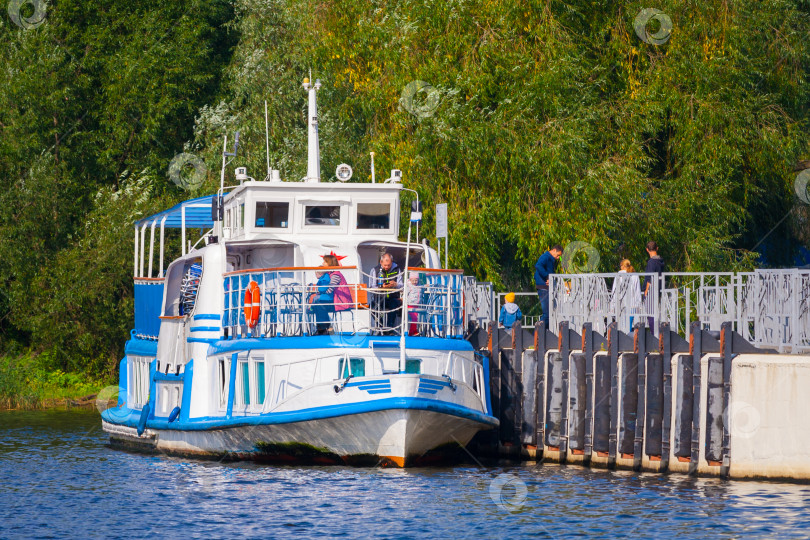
pixel 388 391
pixel 337 341
pixel 169 377
pixel 384 344
pixel 426 391
pixel 205 329
pixel 201 340
pixel 116 416
pixel 358 383
pixel 437 384
pixel 207 317
pixel 375 387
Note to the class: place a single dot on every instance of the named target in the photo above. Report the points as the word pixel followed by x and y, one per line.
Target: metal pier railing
pixel 770 308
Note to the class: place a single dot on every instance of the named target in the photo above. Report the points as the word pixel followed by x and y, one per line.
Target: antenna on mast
pixel 267 141
pixel 313 149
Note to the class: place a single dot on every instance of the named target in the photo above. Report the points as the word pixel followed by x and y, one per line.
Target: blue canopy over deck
pixel 190 214
pixel 198 215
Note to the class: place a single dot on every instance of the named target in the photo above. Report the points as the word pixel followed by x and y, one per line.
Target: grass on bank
pixel 31 381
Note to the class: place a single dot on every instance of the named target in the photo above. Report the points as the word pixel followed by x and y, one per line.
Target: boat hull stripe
pixel 114 415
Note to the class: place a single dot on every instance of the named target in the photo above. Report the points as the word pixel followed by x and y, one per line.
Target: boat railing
pixel 292 303
pixel 435 302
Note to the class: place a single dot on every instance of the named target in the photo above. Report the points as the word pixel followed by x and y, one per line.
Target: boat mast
pixel 313 149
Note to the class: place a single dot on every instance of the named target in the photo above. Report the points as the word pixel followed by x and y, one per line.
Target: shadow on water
pixel 58 478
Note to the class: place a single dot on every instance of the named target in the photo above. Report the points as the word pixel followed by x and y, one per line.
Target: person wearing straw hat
pixel 510 312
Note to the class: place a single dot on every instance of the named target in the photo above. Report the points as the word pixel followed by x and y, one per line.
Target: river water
pixel 59 479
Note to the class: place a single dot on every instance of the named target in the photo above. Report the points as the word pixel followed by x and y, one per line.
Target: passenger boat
pixel 238 349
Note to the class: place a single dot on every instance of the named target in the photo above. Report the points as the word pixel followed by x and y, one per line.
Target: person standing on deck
pixel 655 265
pixel 386 277
pixel 543 268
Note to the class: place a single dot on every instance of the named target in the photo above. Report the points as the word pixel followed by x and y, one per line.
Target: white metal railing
pixel 698 296
pixel 291 303
pixel 775 308
pixel 601 299
pixel 479 301
pixel 770 308
pixel 138 381
pixel 528 304
pixel 434 304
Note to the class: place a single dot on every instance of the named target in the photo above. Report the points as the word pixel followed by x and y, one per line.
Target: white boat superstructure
pixel 243 347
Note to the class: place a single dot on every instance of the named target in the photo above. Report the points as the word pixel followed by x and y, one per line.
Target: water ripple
pixel 58 479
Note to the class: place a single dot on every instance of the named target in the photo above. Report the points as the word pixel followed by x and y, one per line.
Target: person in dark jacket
pixel 385 281
pixel 543 268
pixel 655 265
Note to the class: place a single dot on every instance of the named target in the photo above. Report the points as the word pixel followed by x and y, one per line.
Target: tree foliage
pixel 543 122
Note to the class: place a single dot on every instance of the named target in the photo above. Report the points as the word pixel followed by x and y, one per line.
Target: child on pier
pixel 510 312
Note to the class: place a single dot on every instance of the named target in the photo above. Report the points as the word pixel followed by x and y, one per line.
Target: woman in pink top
pixel 338 284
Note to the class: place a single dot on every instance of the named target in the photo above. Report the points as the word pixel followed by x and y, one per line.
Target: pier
pixel 723 394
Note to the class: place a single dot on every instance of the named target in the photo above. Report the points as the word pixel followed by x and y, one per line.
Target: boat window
pixel 328 215
pixel 224 382
pixel 242 397
pixel 413 365
pixel 260 386
pixel 355 366
pixel 373 216
pixel 272 214
pixel 242 216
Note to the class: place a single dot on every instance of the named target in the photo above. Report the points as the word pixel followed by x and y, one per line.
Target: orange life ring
pixel 253 304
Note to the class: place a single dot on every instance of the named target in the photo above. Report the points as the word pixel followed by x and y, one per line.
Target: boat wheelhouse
pixel 241 348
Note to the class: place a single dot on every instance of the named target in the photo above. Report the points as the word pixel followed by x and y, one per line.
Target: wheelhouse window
pixel 273 214
pixel 323 215
pixel 373 216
